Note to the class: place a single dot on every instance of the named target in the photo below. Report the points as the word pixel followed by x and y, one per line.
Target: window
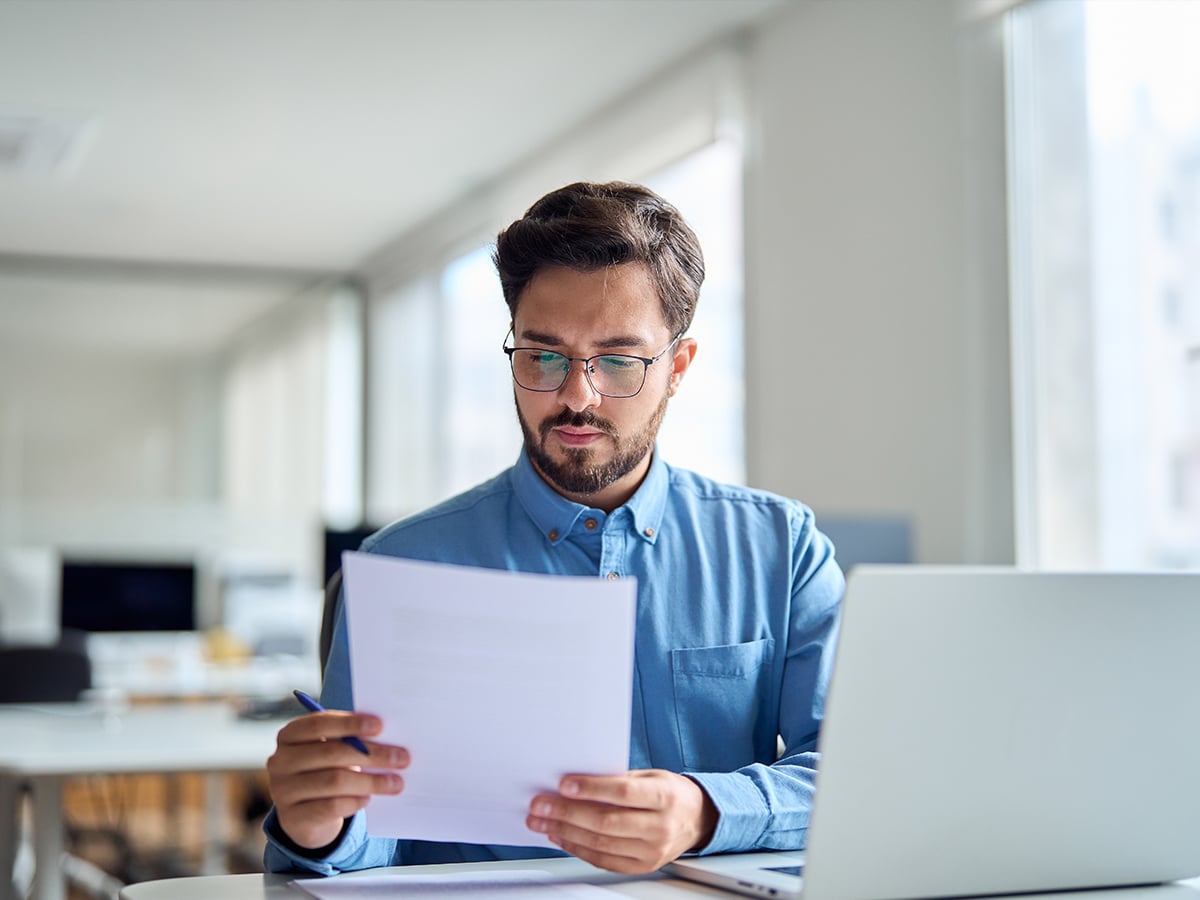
pixel 1105 185
pixel 403 396
pixel 479 427
pixel 705 424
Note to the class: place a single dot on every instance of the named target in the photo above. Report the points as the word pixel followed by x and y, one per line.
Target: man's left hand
pixel 632 823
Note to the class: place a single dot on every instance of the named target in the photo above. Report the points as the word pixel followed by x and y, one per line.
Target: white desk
pixel 652 887
pixel 174 664
pixel 276 887
pixel 42 746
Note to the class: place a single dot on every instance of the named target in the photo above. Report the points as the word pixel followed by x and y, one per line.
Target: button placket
pixel 612 554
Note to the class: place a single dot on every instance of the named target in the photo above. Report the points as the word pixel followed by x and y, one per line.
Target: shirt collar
pixel 555 515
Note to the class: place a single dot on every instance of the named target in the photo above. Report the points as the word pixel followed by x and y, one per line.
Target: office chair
pixel 45 673
pixel 333 598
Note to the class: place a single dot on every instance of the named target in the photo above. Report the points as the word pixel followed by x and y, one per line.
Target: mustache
pixel 584 419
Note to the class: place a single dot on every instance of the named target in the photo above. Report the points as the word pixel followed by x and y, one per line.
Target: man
pixel 737 590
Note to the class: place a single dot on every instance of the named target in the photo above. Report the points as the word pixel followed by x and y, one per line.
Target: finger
pixel 548 813
pixel 330 783
pixel 639 790
pixel 293 759
pixel 329 724
pixel 613 862
pixel 583 839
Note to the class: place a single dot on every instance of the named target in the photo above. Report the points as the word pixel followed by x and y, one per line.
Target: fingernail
pixel 372 726
pixel 570 788
pixel 398 758
pixel 395 783
pixel 541 808
pixel 538 825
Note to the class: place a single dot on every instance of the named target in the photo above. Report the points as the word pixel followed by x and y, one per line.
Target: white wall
pixel 100 428
pixel 877 342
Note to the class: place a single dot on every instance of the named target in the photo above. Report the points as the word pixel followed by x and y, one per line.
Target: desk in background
pixel 171 665
pixel 652 887
pixel 43 746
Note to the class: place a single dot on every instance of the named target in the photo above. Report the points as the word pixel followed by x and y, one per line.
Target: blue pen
pixel 313 706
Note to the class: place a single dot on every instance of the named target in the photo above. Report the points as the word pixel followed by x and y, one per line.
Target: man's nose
pixel 577 392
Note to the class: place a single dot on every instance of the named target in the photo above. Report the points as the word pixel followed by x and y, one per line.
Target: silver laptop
pixel 993 731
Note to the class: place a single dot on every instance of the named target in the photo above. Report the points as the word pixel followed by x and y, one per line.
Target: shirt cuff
pixel 282 854
pixel 741 814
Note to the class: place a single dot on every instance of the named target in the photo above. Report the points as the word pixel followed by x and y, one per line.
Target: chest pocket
pixel 721 699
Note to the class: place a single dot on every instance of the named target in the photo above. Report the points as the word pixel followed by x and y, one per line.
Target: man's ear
pixel 685 352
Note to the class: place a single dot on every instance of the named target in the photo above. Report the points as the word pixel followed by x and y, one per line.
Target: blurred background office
pixel 247 310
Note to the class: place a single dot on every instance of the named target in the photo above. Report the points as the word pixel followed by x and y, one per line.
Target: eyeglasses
pixel 615 375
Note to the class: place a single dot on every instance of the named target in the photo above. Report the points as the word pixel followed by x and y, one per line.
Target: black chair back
pixel 51 673
pixel 333 595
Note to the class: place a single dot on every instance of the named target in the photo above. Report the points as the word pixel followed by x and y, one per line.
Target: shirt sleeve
pixel 353 849
pixel 768 807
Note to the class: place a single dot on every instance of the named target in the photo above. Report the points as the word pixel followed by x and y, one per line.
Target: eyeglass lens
pixel 545 370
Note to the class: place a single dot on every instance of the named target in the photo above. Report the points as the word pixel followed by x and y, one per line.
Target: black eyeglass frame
pixel 646 361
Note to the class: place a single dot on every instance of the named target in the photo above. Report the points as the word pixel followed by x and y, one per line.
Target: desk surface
pixel 277 887
pixel 651 887
pixel 72 738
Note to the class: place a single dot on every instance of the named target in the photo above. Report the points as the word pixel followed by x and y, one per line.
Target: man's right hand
pixel 317 780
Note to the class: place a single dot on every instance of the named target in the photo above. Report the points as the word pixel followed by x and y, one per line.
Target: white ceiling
pixel 158 313
pixel 298 136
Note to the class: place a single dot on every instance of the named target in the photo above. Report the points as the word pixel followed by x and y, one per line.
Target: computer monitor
pixel 109 595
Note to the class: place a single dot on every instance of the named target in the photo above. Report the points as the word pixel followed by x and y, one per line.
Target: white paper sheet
pixel 499 885
pixel 498 683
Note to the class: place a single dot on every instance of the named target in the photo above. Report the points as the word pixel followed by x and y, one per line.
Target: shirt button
pixel 649 532
pixel 613 576
pixel 553 535
pixel 590 524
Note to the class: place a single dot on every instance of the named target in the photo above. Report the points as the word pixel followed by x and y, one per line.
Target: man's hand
pixel 632 823
pixel 317 780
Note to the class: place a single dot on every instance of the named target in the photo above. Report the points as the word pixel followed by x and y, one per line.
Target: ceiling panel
pixel 307 133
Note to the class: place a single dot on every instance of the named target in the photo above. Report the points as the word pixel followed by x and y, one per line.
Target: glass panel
pixel 705 425
pixel 480 432
pixel 1106 249
pixel 402 402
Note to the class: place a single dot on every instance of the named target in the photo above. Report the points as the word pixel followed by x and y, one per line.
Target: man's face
pixel 591 448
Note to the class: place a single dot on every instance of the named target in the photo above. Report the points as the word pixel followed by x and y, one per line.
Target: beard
pixel 579 472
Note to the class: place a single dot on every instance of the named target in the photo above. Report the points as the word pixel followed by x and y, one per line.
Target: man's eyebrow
pixel 619 342
pixel 539 337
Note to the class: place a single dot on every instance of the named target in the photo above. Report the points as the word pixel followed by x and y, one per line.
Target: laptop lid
pixel 993 731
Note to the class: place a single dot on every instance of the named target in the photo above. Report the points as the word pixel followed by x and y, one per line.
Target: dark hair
pixel 587 227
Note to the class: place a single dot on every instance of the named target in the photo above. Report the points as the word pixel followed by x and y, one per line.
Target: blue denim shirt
pixel 737 613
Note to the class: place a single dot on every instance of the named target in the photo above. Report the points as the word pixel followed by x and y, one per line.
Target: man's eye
pixel 618 363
